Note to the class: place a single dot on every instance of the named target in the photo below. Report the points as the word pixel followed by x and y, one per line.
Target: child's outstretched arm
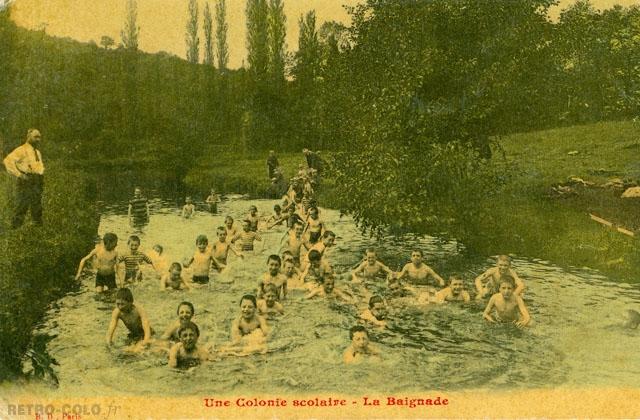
pixel 356 271
pixel 480 281
pixel 145 325
pixel 524 313
pixel 519 283
pixel 112 325
pixel 487 312
pixel 83 262
pixel 163 283
pixel 188 263
pixel 173 355
pixel 435 275
pixel 185 284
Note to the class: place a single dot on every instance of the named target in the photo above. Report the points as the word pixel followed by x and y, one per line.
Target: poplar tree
pixel 257 39
pixel 193 41
pixel 222 49
pixel 130 32
pixel 277 48
pixel 208 41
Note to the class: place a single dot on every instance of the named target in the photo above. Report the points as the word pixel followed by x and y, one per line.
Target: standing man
pixel 272 163
pixel 25 163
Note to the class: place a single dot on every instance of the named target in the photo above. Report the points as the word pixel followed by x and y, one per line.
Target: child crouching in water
pixel 270 306
pixel 186 353
pixel 133 317
pixel 173 279
pixel 249 331
pixel 506 305
pixel 360 348
pixel 185 314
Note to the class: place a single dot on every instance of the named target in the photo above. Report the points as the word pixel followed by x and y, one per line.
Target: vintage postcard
pixel 319 209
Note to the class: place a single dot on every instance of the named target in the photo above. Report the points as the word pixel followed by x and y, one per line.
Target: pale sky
pixel 162 22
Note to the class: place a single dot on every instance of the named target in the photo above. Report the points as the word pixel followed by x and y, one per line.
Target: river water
pixel 577 339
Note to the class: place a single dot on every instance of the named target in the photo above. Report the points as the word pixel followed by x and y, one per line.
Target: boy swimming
pixel 132 316
pixel 487 283
pixel 270 305
pixel 106 259
pixel 133 259
pixel 202 261
pixel 328 290
pixel 173 279
pixel 294 281
pixel 273 276
pixel 232 230
pixel 249 331
pixel 377 312
pixel 186 353
pixel 360 348
pixel 419 274
pixel 293 242
pixel 454 292
pixel 315 226
pixel 506 306
pixel 185 314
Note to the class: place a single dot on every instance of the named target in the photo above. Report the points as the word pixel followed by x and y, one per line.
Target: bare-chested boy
pixel 249 331
pixel 173 280
pixel 419 275
pixel 132 316
pixel 294 280
pixel 273 276
pixel 328 240
pixel 293 241
pixel 487 283
pixel 377 312
pixel 506 306
pixel 106 259
pixel 202 260
pixel 360 348
pixel 270 305
pixel 187 353
pixel 328 290
pixel 454 292
pixel 314 226
pixel 221 248
pixel 246 237
pixel 370 268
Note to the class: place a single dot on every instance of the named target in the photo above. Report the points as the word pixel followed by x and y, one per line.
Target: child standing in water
pixel 253 218
pixel 270 305
pixel 232 230
pixel 160 263
pixel 328 290
pixel 132 316
pixel 419 274
pixel 370 268
pixel 506 306
pixel 293 242
pixel 294 281
pixel 106 259
pixel 133 259
pixel 487 283
pixel 202 261
pixel 277 218
pixel 315 226
pixel 188 209
pixel 247 237
pixel 173 279
pixel 186 353
pixel 360 348
pixel 185 314
pixel 328 240
pixel 273 276
pixel 454 293
pixel 212 201
pixel 221 248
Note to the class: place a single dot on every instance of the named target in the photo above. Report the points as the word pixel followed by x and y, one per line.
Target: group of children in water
pixel 303 265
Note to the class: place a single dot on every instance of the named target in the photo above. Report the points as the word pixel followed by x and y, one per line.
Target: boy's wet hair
pixel 175 265
pixel 133 238
pixel 189 326
pixel 507 278
pixel 311 208
pixel 453 277
pixel 277 207
pixel 109 237
pixel 228 218
pixel 251 298
pixel 287 253
pixel 370 250
pixel 504 258
pixel 125 294
pixel 253 208
pixel 189 304
pixel 328 233
pixel 246 221
pixel 221 229
pixel 202 239
pixel 270 287
pixel 375 299
pixel 355 329
pixel 274 257
pixel 314 255
pixel 159 248
pixel 419 251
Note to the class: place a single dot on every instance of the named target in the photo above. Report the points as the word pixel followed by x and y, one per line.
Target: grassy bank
pixel 527 218
pixel 37 263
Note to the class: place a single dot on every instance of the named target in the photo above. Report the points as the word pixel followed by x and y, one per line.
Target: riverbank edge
pixel 38 265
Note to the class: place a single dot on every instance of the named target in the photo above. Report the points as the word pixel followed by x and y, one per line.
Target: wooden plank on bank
pixel 607 223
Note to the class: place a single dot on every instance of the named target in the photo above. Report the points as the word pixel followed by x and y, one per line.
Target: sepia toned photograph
pixel 319 209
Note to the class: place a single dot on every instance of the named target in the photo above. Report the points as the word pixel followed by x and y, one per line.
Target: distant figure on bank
pixel 25 163
pixel 138 209
pixel 360 348
pixel 188 209
pixel 272 163
pixel 212 201
pixel 106 259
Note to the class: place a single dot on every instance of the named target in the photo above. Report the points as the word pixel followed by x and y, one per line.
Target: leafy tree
pixel 131 30
pixel 257 40
pixel 222 49
pixel 107 42
pixel 277 48
pixel 208 40
pixel 192 39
